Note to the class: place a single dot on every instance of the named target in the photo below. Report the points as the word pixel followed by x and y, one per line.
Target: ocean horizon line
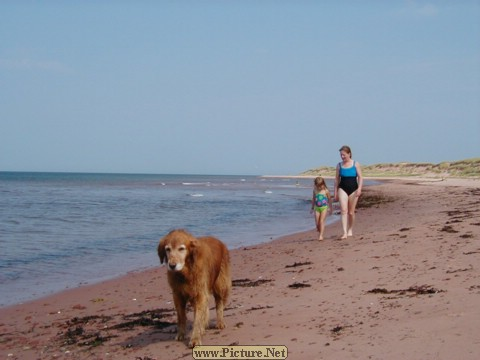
pixel 119 173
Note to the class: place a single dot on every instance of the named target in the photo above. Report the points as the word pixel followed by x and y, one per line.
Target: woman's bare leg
pixel 344 202
pixel 352 204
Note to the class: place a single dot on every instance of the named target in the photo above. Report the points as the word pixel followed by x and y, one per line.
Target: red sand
pixel 406 286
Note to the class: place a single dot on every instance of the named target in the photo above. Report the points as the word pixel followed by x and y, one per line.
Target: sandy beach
pixel 405 286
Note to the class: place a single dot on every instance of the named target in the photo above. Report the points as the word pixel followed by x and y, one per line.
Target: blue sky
pixel 236 87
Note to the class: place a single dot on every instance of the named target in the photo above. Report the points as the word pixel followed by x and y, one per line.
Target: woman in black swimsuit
pixel 348 188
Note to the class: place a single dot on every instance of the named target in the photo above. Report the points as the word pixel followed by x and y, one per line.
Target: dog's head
pixel 176 248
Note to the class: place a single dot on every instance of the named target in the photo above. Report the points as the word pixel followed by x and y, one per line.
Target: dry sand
pixel 406 286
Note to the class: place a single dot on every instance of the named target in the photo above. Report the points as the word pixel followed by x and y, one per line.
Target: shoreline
pixel 453 181
pixel 82 235
pixel 408 277
pixel 108 278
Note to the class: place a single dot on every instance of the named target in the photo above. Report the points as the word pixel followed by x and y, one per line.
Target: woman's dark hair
pixel 346 149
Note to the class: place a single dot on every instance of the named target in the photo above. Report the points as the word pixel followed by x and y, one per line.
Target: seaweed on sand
pixel 94 330
pixel 249 283
pixel 372 198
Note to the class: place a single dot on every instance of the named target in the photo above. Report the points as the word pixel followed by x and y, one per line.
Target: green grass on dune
pixel 468 168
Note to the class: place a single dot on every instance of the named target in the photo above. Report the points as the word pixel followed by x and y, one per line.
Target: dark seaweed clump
pixel 414 290
pixel 372 198
pixel 249 283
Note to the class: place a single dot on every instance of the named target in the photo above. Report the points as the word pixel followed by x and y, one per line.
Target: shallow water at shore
pixel 62 230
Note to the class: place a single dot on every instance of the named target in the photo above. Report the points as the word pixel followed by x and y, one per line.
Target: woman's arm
pixel 337 182
pixel 359 178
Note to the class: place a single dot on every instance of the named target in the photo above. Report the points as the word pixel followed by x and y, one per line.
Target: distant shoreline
pixel 447 181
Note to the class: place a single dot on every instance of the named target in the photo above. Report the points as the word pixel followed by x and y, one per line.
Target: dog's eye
pixel 182 248
pixel 167 249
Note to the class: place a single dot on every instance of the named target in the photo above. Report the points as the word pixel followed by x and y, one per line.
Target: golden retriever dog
pixel 197 267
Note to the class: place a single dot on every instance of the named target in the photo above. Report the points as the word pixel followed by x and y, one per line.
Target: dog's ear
pixel 193 242
pixel 192 247
pixel 162 254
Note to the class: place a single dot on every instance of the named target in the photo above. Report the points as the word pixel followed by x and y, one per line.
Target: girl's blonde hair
pixel 320 183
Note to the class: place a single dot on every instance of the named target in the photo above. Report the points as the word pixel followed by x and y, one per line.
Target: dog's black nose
pixel 172 266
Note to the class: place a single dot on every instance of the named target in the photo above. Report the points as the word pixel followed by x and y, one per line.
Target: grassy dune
pixel 469 168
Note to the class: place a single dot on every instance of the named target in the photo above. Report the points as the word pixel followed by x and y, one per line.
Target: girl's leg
pixel 317 220
pixel 343 199
pixel 323 216
pixel 352 204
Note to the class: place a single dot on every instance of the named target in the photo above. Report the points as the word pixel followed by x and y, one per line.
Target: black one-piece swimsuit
pixel 348 179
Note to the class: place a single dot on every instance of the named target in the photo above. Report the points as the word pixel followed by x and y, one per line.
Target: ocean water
pixel 62 230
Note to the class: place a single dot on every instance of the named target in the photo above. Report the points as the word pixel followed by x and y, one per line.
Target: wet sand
pixel 405 286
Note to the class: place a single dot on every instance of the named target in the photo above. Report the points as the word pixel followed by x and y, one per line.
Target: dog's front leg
pixel 180 307
pixel 200 320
